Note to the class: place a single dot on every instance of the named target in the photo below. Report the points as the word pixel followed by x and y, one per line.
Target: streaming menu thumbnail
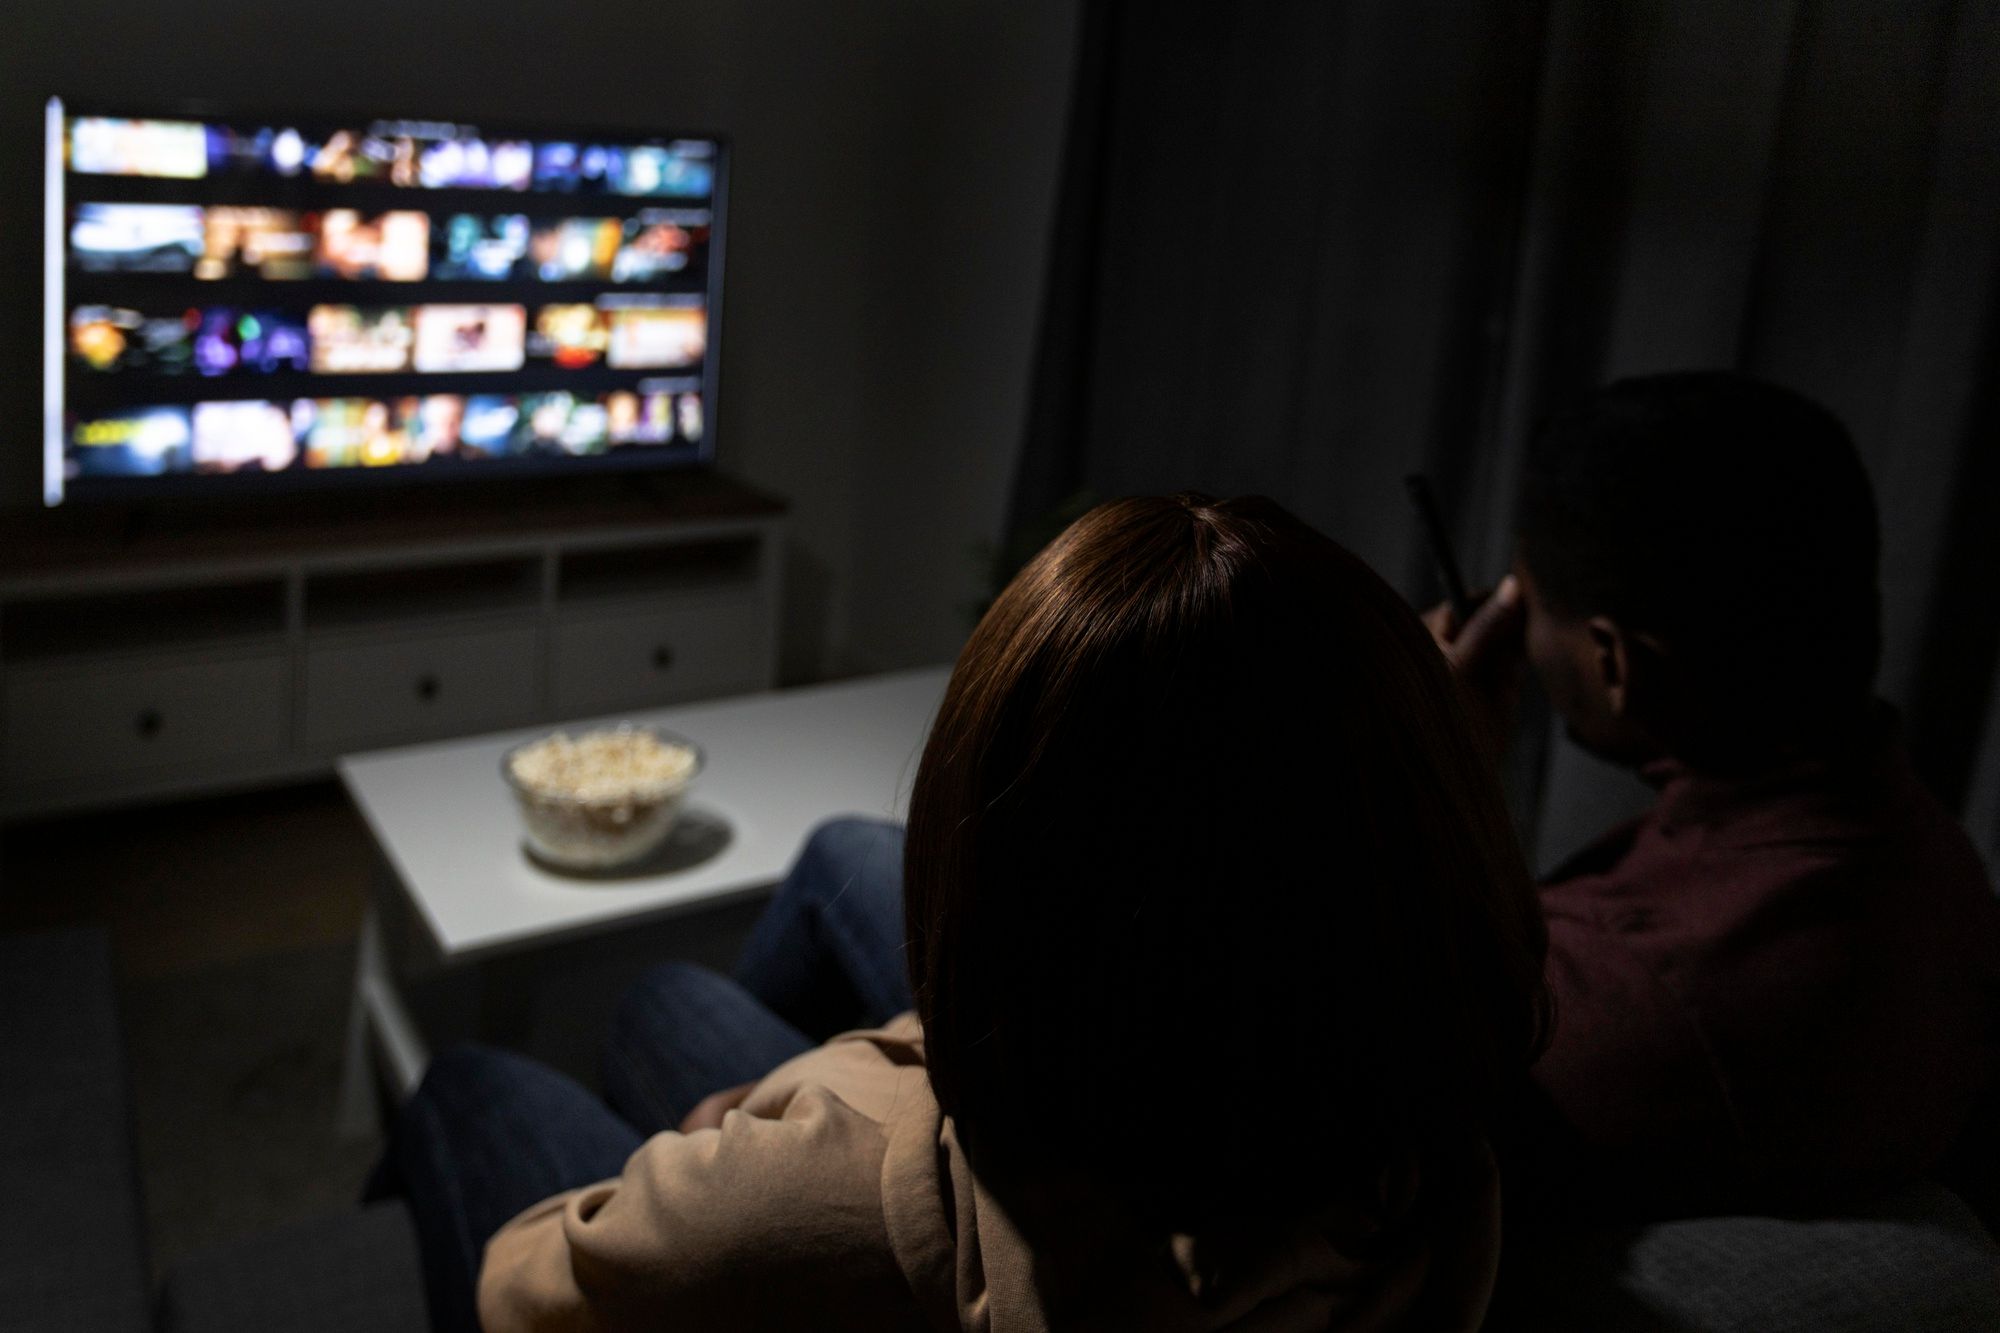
pixel 392 247
pixel 271 243
pixel 347 340
pixel 655 335
pixel 136 442
pixel 137 238
pixel 475 248
pixel 243 437
pixel 470 337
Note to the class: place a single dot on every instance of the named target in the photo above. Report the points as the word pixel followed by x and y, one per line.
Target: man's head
pixel 1698 553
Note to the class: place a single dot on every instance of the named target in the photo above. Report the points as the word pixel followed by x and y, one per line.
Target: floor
pixel 233 924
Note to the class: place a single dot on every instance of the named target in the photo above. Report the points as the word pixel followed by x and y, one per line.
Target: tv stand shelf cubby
pixel 163 662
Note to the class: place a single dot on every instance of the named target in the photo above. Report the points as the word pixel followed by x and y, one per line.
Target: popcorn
pixel 602 765
pixel 602 800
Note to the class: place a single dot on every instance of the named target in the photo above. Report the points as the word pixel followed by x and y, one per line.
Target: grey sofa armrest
pixel 71 1254
pixel 1918 1260
pixel 344 1272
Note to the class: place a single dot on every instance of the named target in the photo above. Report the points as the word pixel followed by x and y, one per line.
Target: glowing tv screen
pixel 237 303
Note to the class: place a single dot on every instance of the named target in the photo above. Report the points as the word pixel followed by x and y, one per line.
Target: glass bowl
pixel 606 829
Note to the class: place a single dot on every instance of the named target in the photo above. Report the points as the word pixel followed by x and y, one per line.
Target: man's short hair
pixel 1728 516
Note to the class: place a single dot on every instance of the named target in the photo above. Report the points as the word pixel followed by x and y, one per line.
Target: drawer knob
pixel 428 687
pixel 148 724
pixel 663 657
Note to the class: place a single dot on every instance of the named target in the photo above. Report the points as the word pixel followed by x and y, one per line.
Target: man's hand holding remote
pixel 1487 654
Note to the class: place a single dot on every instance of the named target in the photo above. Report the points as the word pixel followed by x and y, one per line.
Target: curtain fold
pixel 1306 248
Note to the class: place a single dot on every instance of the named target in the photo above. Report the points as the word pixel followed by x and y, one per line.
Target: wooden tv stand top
pixel 87 543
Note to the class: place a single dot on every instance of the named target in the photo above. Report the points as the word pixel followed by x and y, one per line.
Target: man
pixel 1780 987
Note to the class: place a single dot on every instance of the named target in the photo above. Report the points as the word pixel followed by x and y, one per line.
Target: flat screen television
pixel 239 303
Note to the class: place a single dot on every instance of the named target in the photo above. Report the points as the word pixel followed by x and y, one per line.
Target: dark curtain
pixel 1304 248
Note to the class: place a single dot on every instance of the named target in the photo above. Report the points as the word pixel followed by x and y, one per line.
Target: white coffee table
pixel 776 764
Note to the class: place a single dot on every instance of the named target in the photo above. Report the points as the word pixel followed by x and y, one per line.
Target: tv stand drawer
pixel 661 652
pixel 366 693
pixel 64 724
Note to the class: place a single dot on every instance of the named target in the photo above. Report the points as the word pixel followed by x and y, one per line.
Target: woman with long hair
pixel 1223 958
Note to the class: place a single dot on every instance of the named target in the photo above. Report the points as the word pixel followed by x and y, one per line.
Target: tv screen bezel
pixel 110 491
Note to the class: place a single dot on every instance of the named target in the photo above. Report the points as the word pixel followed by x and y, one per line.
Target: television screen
pixel 236 303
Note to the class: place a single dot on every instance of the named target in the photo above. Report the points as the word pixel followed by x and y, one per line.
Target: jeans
pixel 488 1134
pixel 827 954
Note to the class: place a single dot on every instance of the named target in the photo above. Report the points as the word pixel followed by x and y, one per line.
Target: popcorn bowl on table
pixel 603 799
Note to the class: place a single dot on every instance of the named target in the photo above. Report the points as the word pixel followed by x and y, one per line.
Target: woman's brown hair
pixel 1210 896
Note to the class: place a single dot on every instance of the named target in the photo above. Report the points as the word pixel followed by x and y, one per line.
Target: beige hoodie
pixel 838 1197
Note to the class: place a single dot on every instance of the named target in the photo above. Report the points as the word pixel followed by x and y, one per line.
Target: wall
pixel 894 172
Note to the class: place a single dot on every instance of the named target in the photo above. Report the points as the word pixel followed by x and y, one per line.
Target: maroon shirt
pixel 1779 993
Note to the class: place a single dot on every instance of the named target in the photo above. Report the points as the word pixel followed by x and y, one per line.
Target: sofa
pixel 72 1256
pixel 72 1250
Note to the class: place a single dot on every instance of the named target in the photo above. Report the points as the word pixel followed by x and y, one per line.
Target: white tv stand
pixel 222 655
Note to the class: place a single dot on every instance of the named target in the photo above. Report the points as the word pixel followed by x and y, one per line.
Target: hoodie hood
pixel 971 1267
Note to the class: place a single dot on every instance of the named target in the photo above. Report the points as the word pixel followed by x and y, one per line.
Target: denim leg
pixel 486 1135
pixel 827 954
pixel 683 1032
